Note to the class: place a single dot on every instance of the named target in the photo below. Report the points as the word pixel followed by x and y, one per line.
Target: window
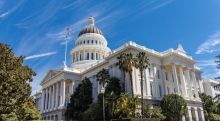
pixel 158 74
pixel 172 78
pixel 92 56
pixel 166 76
pixel 96 56
pixel 96 42
pixel 87 41
pixel 87 56
pixel 149 71
pixel 151 89
pixel 80 56
pixel 168 90
pixel 92 41
pixel 84 41
pixel 160 91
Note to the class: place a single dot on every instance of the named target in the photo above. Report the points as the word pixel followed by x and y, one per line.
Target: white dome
pixel 91 46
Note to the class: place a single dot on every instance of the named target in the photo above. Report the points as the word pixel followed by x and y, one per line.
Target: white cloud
pixel 162 4
pixel 209 67
pixel 205 63
pixel 4 14
pixel 40 55
pixel 209 46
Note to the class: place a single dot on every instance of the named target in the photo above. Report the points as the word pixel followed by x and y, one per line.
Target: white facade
pixel 171 71
pixel 209 87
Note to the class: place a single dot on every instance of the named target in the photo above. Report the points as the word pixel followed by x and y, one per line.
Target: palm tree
pixel 120 63
pixel 126 63
pixel 141 63
pixel 103 77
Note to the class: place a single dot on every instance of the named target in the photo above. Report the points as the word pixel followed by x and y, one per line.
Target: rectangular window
pixel 87 56
pixel 92 56
pixel 166 76
pixel 158 74
pixel 149 71
pixel 168 90
pixel 160 91
pixel 96 56
pixel 151 89
pixel 172 78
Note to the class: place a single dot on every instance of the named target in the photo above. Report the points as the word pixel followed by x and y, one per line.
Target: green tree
pixel 93 113
pixel 80 100
pixel 122 67
pixel 210 107
pixel 173 107
pixel 125 107
pixel 141 62
pixel 112 93
pixel 126 63
pixel 103 77
pixel 153 112
pixel 15 87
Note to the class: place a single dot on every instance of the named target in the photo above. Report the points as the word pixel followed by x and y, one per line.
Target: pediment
pixel 50 74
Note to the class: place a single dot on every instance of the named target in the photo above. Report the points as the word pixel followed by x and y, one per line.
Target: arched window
pixel 84 42
pixel 87 41
pixel 92 41
pixel 96 42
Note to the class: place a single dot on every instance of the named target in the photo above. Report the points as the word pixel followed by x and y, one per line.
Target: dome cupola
pixel 91 47
pixel 91 28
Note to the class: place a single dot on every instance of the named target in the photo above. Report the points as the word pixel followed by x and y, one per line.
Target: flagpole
pixel 65 51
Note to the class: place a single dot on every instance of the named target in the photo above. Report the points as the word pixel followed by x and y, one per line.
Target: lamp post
pixel 103 102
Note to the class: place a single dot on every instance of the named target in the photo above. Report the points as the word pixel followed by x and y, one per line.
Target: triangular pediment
pixel 50 74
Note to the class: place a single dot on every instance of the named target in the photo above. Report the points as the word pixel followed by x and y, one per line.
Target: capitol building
pixel 171 71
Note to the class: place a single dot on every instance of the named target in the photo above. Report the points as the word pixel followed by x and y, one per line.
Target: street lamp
pixel 103 102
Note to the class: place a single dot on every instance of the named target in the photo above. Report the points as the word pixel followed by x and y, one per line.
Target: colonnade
pixel 87 55
pixel 53 96
pixel 187 78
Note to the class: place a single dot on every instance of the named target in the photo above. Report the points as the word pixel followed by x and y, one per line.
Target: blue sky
pixel 35 28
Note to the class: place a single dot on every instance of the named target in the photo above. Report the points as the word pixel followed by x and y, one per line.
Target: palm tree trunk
pixel 142 97
pixel 131 81
pixel 124 85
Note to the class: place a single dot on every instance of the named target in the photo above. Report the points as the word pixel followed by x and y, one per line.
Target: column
pixel 147 82
pixel 78 55
pixel 183 118
pixel 182 79
pixel 155 82
pixel 189 83
pixel 53 93
pixel 75 57
pixel 90 55
pixel 164 80
pixel 175 79
pixel 202 114
pixel 84 55
pixel 46 106
pixel 189 112
pixel 195 84
pixel 196 114
pixel 71 88
pixel 42 101
pixel 134 76
pixel 57 95
pixel 62 93
pixel 50 90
